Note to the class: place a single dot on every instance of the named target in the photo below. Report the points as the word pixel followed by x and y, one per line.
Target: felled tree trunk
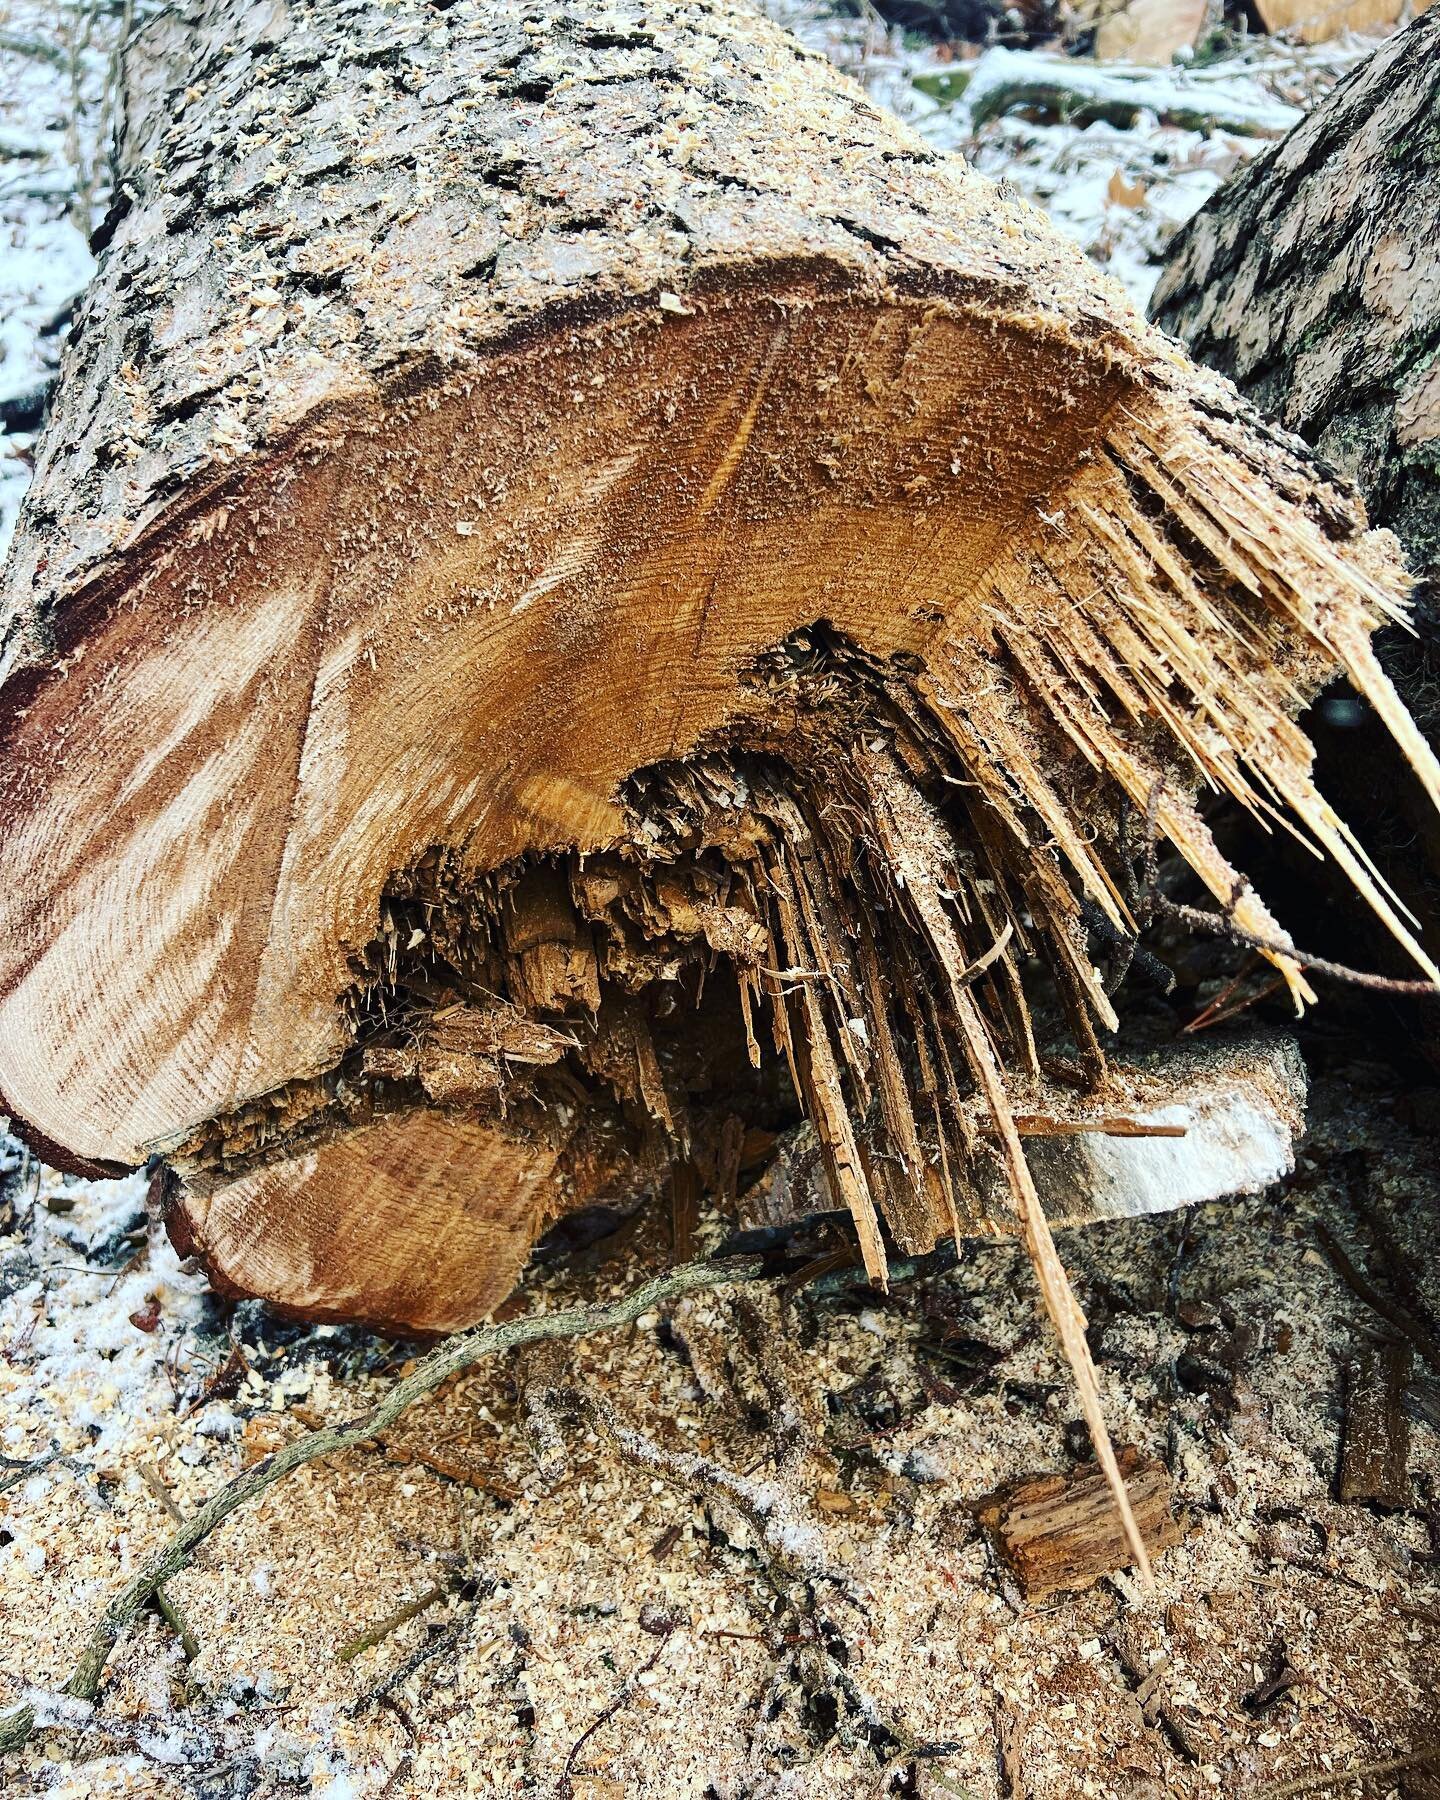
pixel 586 593
pixel 1312 280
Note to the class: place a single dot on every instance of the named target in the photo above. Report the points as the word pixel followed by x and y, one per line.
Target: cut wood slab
pixel 1151 32
pixel 1316 21
pixel 583 585
pixel 1058 1533
pixel 1189 1125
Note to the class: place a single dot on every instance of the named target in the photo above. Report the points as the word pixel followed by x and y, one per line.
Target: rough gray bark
pixel 1312 280
pixel 325 206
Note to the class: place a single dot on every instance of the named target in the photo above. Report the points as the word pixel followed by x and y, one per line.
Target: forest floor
pixel 595 1630
pixel 1288 1633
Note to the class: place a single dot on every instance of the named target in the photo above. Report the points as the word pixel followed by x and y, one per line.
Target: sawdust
pixel 554 1586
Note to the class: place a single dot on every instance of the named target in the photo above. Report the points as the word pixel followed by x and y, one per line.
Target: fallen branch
pixel 447 1359
pixel 1072 89
pixel 34 49
pixel 1332 1778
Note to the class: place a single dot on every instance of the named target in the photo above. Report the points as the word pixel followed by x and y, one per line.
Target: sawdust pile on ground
pixel 1223 1343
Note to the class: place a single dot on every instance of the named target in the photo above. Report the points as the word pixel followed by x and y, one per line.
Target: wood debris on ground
pixel 1060 1532
pixel 1225 1335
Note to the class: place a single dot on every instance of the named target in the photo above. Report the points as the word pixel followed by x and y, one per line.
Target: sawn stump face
pixel 658 525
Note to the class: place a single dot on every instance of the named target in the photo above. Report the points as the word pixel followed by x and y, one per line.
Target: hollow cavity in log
pixel 789 925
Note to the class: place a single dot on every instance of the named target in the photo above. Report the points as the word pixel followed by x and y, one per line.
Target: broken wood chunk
pixel 1061 1532
pixel 1375 1458
pixel 1199 1122
pixel 1239 1109
pixel 450 1210
pixel 551 953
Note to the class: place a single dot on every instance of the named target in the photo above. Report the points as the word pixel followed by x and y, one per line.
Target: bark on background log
pixel 1312 280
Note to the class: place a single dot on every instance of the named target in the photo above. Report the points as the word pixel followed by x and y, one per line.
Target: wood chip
pixel 1377 1431
pixel 1061 1532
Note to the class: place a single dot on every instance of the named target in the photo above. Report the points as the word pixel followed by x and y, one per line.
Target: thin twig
pixel 622 1699
pixel 156 1484
pixel 1222 925
pixel 176 1620
pixel 16 1472
pixel 1409 1328
pixel 367 1640
pixel 164 1605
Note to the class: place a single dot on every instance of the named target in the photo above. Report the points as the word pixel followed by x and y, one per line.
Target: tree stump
pixel 585 594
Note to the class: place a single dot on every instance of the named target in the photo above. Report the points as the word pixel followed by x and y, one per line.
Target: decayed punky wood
pixel 1059 1532
pixel 586 594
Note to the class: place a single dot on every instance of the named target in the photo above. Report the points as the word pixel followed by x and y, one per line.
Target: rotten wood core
pixel 798 926
pixel 820 920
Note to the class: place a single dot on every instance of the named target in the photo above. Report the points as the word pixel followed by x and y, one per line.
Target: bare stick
pixel 1038 1125
pixel 178 1623
pixel 1408 1327
pixel 412 1609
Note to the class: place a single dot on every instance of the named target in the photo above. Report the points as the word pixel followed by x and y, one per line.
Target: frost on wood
pixel 587 595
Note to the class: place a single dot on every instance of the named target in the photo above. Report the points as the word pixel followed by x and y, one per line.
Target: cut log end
pixel 645 717
pixel 718 743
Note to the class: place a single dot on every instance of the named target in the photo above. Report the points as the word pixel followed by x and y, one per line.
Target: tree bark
pixel 585 593
pixel 1312 281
